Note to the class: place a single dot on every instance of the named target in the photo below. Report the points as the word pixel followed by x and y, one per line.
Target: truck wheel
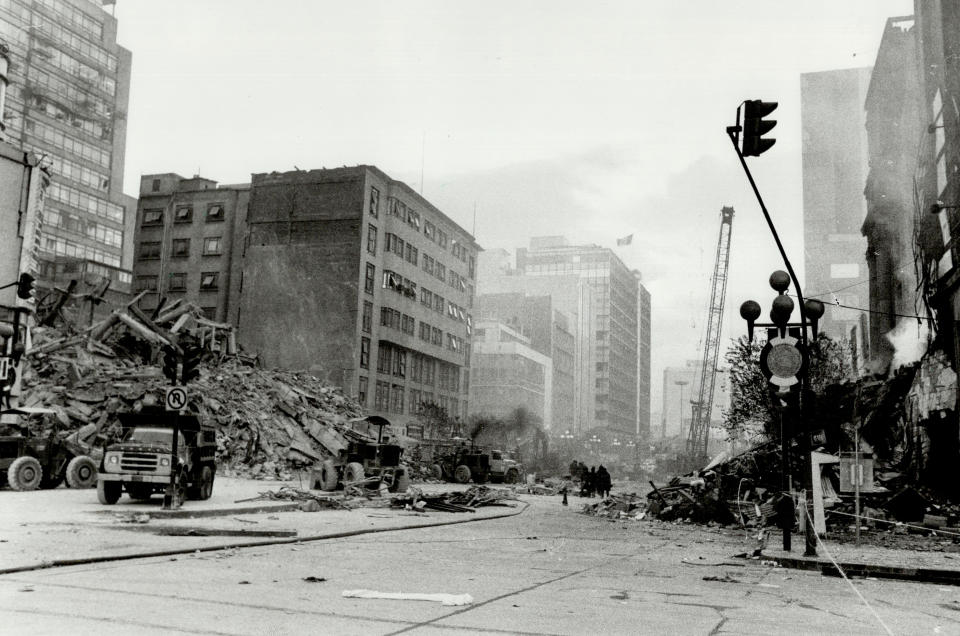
pixel 512 476
pixel 81 472
pixel 328 475
pixel 24 473
pixel 462 474
pixel 401 480
pixel 108 492
pixel 206 483
pixel 353 472
pixel 436 471
pixel 140 492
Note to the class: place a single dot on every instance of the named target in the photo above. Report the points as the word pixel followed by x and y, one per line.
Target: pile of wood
pixel 270 421
pixel 464 501
pixel 627 506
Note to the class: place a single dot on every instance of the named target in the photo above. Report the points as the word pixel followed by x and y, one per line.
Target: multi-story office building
pixel 356 277
pixel 571 297
pixel 189 243
pixel 834 171
pixel 551 332
pixel 67 102
pixel 508 373
pixel 614 340
pixel 643 359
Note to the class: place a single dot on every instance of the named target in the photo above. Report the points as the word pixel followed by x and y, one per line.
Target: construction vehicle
pixel 364 462
pixel 140 463
pixel 699 432
pixel 503 468
pixel 461 464
pixel 28 462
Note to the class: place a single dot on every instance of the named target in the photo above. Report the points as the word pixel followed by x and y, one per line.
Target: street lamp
pixel 784 362
pixel 566 439
pixel 595 441
pixel 681 384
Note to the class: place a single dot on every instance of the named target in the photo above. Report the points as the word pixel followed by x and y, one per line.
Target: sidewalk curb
pixel 182 513
pixel 252 544
pixel 861 570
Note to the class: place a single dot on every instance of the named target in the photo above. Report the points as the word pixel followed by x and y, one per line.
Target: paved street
pixel 547 570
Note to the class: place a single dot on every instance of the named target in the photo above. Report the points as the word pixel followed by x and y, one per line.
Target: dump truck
pixel 364 460
pixel 503 468
pixel 461 464
pixel 140 462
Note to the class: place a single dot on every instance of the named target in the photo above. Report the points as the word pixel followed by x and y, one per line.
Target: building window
pixel 155 186
pixel 362 390
pixel 371 278
pixel 415 398
pixel 183 214
pixel 407 325
pixel 400 364
pixel 372 238
pixel 180 248
pixel 416 368
pixel 367 321
pixel 212 245
pixel 396 400
pixel 214 212
pixel 150 250
pixel 436 336
pixel 152 217
pixel 374 202
pixel 146 283
pixel 384 359
pixel 208 281
pixel 177 281
pixel 381 397
pixel 364 353
pixel 210 313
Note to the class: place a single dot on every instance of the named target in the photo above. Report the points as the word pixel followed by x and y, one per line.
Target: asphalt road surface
pixel 547 570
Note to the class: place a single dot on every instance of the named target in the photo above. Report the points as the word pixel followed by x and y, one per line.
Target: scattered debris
pixel 726 578
pixel 466 501
pixel 314 579
pixel 445 599
pixel 628 506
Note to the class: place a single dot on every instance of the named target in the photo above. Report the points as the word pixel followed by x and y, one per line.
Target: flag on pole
pixel 626 240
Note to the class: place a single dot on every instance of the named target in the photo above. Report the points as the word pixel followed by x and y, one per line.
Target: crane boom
pixel 703 405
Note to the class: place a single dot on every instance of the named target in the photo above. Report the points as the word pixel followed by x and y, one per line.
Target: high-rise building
pixel 67 102
pixel 643 359
pixel 189 243
pixel 614 316
pixel 834 172
pixel 356 277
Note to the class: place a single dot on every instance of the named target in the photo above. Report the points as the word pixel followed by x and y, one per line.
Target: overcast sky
pixel 592 120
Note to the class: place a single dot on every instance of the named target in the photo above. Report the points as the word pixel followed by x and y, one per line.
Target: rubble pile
pixel 464 501
pixel 628 506
pixel 270 422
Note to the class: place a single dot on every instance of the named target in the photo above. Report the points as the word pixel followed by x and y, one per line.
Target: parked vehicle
pixel 503 468
pixel 462 464
pixel 28 462
pixel 140 462
pixel 363 459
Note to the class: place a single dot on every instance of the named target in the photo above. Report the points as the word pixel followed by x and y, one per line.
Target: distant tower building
pixel 643 359
pixel 834 173
pixel 67 102
pixel 614 318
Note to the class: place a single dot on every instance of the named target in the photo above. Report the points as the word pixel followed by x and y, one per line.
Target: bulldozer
pixel 461 464
pixel 364 462
pixel 29 462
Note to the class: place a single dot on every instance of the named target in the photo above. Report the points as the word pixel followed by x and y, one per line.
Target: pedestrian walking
pixel 604 482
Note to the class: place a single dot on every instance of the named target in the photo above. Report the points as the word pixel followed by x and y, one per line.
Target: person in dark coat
pixel 592 481
pixel 604 482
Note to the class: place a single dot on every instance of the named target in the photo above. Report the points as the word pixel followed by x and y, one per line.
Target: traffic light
pixel 755 127
pixel 170 360
pixel 191 362
pixel 25 286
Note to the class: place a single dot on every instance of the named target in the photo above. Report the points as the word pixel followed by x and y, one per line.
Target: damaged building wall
pixel 301 272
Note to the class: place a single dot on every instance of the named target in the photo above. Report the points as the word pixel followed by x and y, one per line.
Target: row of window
pixel 55 268
pixel 99 130
pixel 401 248
pixel 80 99
pixel 399 284
pixel 64 247
pixel 392 318
pixel 389 398
pixel 90 229
pixel 180 248
pixel 399 209
pixel 183 214
pixel 177 282
pixel 77 18
pixel 392 360
pixel 83 201
pixel 69 143
pixel 86 48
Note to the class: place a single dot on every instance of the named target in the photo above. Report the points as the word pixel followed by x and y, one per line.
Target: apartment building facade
pixel 67 101
pixel 356 277
pixel 189 243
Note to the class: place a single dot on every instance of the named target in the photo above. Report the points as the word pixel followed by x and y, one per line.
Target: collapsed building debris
pixel 463 501
pixel 271 422
pixel 628 506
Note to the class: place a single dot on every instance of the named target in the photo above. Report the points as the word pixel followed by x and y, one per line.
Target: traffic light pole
pixel 810 531
pixel 170 495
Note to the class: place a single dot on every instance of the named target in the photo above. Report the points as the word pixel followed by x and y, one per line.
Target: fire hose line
pixel 844 575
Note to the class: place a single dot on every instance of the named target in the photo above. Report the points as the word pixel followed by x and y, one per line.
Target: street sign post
pixel 175 399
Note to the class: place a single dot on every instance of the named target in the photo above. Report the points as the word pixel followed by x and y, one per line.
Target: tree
pixel 754 410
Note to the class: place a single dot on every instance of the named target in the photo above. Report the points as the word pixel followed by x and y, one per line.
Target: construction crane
pixel 703 406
